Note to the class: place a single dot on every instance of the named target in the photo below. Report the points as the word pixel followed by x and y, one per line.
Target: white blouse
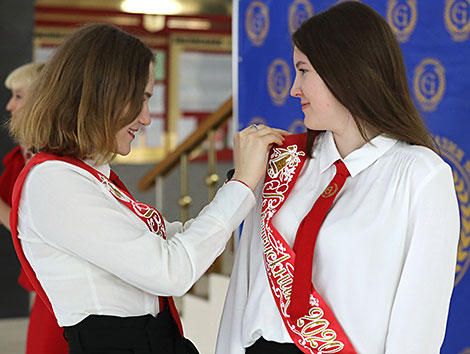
pixel 384 259
pixel 92 255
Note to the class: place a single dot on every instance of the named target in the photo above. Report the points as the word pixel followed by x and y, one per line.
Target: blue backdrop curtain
pixel 434 37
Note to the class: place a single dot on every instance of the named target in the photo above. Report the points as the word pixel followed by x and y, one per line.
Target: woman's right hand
pixel 251 147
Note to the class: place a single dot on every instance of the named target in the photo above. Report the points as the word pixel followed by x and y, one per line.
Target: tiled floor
pixel 13 335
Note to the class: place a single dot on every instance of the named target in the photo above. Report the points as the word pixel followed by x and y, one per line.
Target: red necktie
pixel 305 240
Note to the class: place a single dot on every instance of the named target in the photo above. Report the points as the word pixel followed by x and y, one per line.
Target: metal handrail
pixel 206 131
pixel 212 123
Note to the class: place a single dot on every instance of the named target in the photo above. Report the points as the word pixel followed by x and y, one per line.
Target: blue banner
pixel 434 37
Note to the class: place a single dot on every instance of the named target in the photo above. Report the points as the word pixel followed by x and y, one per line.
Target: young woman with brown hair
pixel 352 245
pixel 105 264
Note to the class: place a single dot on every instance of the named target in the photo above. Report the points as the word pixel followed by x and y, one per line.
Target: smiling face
pixel 321 109
pixel 126 135
pixel 16 101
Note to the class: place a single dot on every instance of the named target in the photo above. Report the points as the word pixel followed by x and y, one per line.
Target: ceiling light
pixel 158 7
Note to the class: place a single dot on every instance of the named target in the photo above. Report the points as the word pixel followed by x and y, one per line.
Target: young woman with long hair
pixel 352 245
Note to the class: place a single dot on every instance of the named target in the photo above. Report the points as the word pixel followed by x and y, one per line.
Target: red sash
pixel 150 216
pixel 317 331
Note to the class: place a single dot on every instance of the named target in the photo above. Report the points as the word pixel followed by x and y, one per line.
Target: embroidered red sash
pixel 317 331
pixel 150 216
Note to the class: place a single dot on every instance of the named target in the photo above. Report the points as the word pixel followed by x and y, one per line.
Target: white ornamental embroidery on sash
pixel 313 327
pixel 151 216
pixel 284 162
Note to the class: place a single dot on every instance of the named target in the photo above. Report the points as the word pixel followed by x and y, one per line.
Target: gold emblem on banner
pixel 299 11
pixel 297 126
pixel 279 81
pixel 257 22
pixel 257 120
pixel 455 156
pixel 457 19
pixel 402 17
pixel 465 351
pixel 429 83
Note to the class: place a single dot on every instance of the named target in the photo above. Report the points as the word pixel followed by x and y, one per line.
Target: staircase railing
pixel 205 131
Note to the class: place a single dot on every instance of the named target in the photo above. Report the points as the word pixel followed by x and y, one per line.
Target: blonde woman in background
pixel 44 334
pixel 18 82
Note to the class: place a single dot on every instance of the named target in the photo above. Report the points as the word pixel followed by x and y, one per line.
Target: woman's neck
pixel 350 139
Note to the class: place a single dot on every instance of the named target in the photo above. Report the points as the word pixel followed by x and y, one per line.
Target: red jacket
pixel 13 162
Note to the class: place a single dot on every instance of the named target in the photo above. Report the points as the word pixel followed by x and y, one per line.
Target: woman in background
pixel 44 334
pixel 107 264
pixel 18 82
pixel 352 245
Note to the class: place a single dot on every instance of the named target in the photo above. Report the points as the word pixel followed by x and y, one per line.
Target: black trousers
pixel 128 335
pixel 263 346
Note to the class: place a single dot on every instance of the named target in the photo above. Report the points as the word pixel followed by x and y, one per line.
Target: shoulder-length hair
pixel 91 88
pixel 358 57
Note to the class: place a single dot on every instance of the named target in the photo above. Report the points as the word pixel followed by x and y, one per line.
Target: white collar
pixel 357 160
pixel 104 168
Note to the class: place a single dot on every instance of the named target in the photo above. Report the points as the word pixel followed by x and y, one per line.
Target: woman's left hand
pixel 251 146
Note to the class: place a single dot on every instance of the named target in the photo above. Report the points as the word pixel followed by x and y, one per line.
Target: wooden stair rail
pixel 213 122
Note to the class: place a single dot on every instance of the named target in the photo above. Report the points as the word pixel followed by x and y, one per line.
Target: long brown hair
pixel 91 88
pixel 358 57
